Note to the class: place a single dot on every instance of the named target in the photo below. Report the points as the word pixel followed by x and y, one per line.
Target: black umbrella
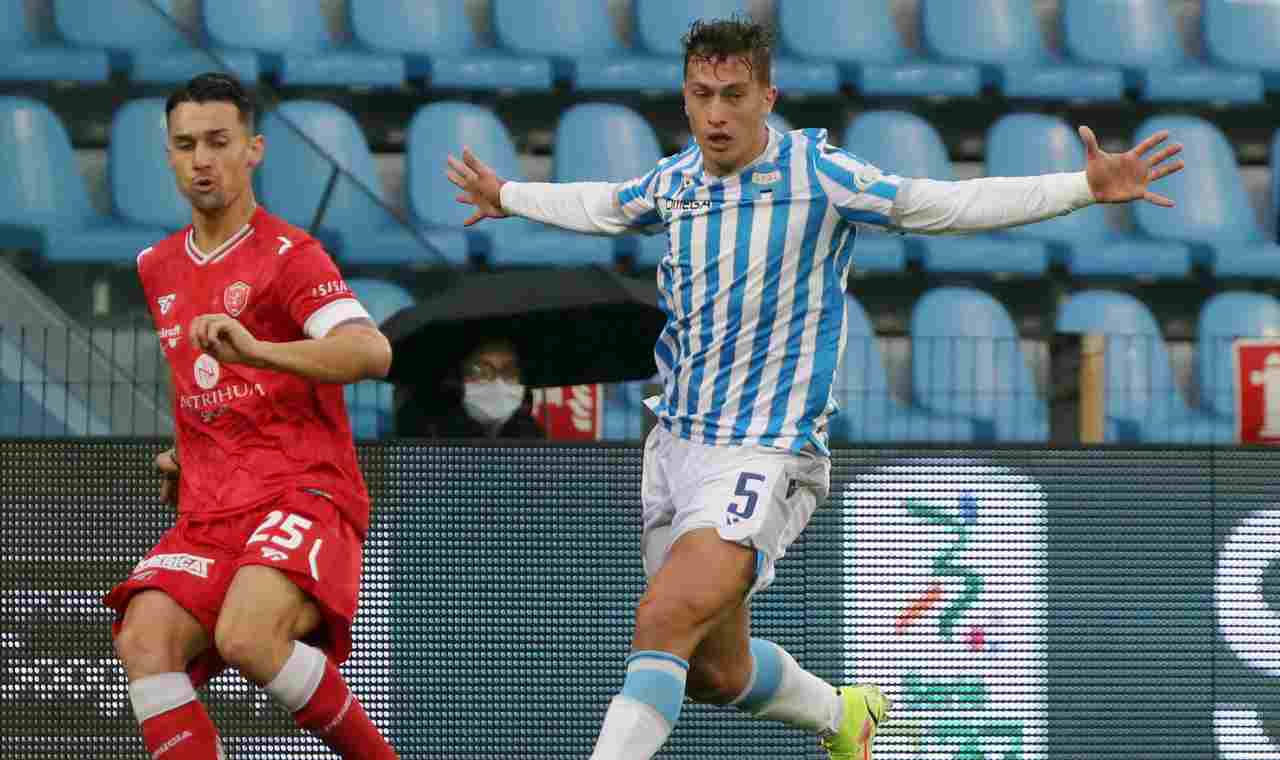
pixel 569 326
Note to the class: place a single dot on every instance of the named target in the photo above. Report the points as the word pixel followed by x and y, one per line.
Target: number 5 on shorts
pixel 745 511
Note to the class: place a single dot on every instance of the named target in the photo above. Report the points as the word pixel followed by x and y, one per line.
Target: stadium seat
pixel 292 40
pixel 967 361
pixel 1243 35
pixel 1141 37
pixel 1027 144
pixel 1223 318
pixel 868 409
pixel 369 403
pixel 35 403
pixel 44 205
pixel 659 25
pixel 606 142
pixel 294 175
pixel 442 128
pixel 1142 401
pixel 1213 213
pixel 860 37
pixel 143 190
pixel 579 36
pixel 1003 36
pixel 904 144
pixel 28 56
pixel 439 46
pixel 144 44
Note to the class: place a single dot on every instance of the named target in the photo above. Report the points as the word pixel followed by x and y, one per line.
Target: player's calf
pixel 715 683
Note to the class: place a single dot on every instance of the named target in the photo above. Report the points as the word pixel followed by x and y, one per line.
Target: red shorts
pixel 303 536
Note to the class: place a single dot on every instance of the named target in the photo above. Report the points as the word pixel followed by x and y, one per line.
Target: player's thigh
pixel 264 603
pixel 703 576
pixel 158 634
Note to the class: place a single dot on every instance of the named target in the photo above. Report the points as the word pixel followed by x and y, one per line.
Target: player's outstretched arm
pixel 352 351
pixel 588 207
pixel 975 205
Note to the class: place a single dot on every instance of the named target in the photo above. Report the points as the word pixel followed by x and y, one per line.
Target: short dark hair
pixel 213 87
pixel 738 36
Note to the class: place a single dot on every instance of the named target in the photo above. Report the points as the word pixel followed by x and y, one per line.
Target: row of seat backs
pixel 969 36
pixel 593 141
pixel 967 362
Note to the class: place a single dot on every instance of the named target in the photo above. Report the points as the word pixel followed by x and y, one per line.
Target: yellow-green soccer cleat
pixel 865 710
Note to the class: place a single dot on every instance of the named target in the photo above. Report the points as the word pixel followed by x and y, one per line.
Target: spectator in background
pixel 482 397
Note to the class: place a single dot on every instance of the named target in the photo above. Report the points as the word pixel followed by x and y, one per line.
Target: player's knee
pixel 146 650
pixel 247 646
pixel 714 683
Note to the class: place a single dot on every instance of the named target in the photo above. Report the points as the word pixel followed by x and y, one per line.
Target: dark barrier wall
pixel 1018 603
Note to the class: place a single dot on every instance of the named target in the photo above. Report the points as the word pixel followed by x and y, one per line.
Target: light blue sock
pixel 781 690
pixel 641 717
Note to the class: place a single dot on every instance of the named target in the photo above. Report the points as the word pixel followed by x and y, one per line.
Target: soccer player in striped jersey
pixel 761 227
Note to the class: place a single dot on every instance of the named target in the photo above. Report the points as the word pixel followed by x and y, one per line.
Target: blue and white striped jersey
pixel 753 286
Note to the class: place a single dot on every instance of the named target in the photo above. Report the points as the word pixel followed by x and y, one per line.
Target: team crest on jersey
pixel 166 302
pixel 236 297
pixel 207 372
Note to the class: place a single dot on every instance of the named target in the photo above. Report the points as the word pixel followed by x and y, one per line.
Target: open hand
pixel 1121 177
pixel 480 186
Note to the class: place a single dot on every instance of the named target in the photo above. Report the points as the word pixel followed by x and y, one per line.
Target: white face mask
pixel 492 402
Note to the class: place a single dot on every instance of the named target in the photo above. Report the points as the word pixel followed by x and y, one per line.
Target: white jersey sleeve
pixel 859 191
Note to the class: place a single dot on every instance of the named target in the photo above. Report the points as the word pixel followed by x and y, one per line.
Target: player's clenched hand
pixel 167 464
pixel 480 186
pixel 226 340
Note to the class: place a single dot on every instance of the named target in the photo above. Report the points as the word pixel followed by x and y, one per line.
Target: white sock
pixel 641 717
pixel 298 680
pixel 781 690
pixel 158 694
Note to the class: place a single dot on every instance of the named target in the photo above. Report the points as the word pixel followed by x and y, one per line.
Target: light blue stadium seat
pixel 904 144
pixel 143 189
pixel 1142 400
pixel 659 25
pixel 860 37
pixel 32 403
pixel 369 403
pixel 1243 35
pixel 43 201
pixel 1003 36
pixel 1213 212
pixel 967 361
pixel 28 56
pixel 1026 144
pixel 445 127
pixel 868 409
pixel 1224 318
pixel 293 42
pixel 1142 38
pixel 579 36
pixel 624 410
pixel 292 179
pixel 610 143
pixel 145 44
pixel 439 45
pixel 1274 208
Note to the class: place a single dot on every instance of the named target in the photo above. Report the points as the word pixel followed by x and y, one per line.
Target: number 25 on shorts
pixel 292 529
pixel 737 511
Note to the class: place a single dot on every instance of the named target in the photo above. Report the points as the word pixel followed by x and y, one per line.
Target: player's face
pixel 212 154
pixel 727 106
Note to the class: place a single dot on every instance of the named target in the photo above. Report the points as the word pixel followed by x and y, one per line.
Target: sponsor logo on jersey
pixel 686 204
pixel 170 335
pixel 207 371
pixel 275 555
pixel 236 297
pixel 766 178
pixel 166 301
pixel 183 563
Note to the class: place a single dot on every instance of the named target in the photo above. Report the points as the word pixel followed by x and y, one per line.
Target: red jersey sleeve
pixel 314 293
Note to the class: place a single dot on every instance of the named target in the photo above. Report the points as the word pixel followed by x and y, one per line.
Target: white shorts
pixel 753 496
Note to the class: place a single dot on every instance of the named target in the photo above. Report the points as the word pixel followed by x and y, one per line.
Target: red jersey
pixel 249 436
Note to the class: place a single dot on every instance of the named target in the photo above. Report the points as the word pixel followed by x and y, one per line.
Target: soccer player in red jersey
pixel 262 568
